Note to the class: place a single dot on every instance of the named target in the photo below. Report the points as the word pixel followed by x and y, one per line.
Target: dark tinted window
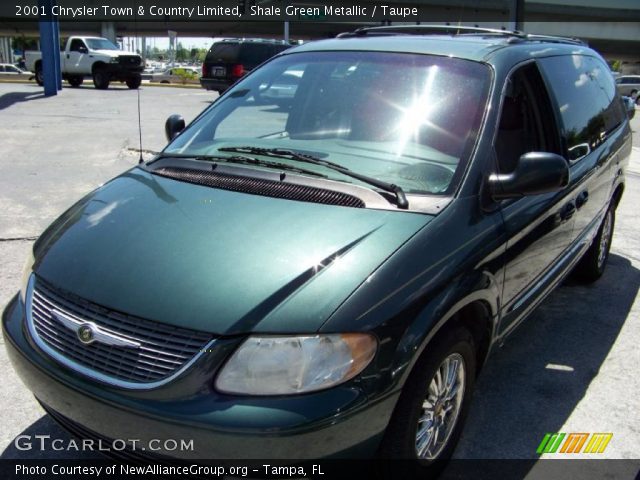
pixel 253 54
pixel 586 95
pixel 223 52
pixel 629 80
pixel 76 45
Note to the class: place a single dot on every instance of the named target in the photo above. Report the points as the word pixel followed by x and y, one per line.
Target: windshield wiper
pixel 243 160
pixel 401 199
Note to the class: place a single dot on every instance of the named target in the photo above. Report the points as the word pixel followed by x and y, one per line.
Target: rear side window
pixel 586 95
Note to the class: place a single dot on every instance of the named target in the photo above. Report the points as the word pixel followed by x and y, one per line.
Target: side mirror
pixel 535 173
pixel 83 49
pixel 173 126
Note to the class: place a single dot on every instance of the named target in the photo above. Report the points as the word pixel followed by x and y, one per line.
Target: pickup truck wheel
pixel 592 264
pixel 134 82
pixel 75 81
pixel 428 419
pixel 101 79
pixel 39 75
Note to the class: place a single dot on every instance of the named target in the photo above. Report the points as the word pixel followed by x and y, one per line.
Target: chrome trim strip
pixel 100 377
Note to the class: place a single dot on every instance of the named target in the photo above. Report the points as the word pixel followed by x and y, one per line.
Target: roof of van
pixel 477 46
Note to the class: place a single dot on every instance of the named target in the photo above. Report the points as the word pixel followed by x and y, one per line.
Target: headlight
pixel 290 365
pixel 26 273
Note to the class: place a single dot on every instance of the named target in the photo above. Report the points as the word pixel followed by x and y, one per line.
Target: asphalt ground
pixel 572 367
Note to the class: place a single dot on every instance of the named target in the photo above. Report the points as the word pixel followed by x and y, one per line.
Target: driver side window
pixel 526 119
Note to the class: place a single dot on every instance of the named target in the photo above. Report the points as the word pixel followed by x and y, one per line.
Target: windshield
pixel 410 120
pixel 100 44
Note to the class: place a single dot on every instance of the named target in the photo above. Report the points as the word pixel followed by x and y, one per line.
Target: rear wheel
pixel 101 79
pixel 39 75
pixel 428 419
pixel 134 82
pixel 592 264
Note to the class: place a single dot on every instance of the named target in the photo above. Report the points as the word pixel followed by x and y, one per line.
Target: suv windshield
pixel 410 120
pixel 100 44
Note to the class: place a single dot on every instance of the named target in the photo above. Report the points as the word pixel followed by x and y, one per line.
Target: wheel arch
pixel 97 66
pixel 477 313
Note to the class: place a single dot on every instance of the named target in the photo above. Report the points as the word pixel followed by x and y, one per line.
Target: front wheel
pixel 592 264
pixel 428 419
pixel 101 79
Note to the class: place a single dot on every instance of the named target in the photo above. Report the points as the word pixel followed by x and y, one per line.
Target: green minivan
pixel 320 263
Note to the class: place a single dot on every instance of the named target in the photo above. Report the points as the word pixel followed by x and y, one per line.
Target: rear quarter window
pixel 586 96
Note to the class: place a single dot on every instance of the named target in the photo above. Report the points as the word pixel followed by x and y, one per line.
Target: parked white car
pixel 180 75
pixel 11 72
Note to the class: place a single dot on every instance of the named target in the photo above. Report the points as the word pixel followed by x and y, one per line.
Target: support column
pixel 108 31
pixel 50 53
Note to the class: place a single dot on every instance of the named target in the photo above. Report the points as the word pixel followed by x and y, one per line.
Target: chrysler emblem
pixel 85 333
pixel 89 332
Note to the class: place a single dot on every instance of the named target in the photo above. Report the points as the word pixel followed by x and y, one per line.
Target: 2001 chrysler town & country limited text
pixel 321 271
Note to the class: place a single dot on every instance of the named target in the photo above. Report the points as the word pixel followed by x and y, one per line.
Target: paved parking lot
pixel 571 368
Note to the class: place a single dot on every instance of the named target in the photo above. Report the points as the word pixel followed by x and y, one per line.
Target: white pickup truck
pixel 93 56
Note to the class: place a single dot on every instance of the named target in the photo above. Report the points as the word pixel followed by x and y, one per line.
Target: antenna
pixel 140 159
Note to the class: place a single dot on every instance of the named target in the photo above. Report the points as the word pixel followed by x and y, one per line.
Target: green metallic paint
pixel 215 260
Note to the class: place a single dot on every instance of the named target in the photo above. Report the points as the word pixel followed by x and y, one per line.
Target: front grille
pixel 162 351
pixel 259 186
pixel 129 60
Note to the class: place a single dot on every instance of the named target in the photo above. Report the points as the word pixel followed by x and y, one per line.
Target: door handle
pixel 567 211
pixel 67 55
pixel 582 199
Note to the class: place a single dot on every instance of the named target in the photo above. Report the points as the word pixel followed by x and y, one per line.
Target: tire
pixel 419 398
pixel 76 80
pixel 39 75
pixel 594 261
pixel 166 82
pixel 101 79
pixel 134 82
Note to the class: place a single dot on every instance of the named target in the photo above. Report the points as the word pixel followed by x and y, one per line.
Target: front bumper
pixel 117 70
pixel 338 422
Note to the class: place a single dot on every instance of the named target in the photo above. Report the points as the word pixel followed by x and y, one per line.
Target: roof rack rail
pixel 428 29
pixel 515 35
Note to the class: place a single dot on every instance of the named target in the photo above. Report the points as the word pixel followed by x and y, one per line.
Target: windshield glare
pixel 100 44
pixel 407 119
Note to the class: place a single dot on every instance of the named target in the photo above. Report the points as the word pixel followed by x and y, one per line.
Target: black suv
pixel 228 60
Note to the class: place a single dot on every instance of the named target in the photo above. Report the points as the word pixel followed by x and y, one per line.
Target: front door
pixel 539 227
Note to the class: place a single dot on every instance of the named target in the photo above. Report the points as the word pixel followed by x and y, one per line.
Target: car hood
pixel 215 260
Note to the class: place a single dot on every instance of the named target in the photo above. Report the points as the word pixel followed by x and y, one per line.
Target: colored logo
pixel 574 443
pixel 85 334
